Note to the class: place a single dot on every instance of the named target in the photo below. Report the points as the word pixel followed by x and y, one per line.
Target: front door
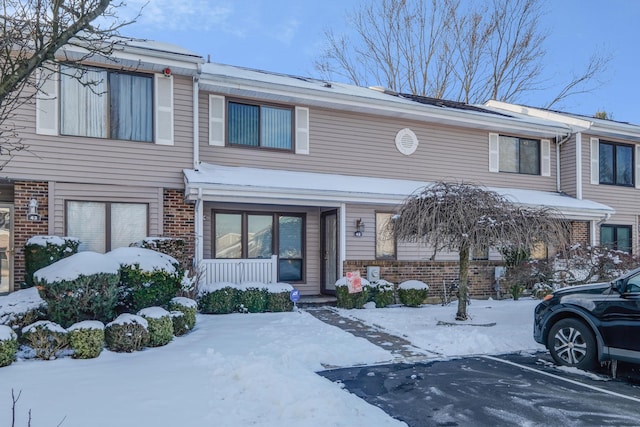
pixel 6 247
pixel 329 251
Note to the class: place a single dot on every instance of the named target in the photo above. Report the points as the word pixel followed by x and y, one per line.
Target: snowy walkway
pixel 402 349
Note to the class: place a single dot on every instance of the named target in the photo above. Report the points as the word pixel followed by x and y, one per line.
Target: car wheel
pixel 571 343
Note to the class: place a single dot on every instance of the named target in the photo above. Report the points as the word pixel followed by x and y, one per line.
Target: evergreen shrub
pixel 179 321
pixel 351 300
pixel 41 251
pixel 217 298
pixel 383 293
pixel 252 297
pixel 80 287
pixel 8 345
pixel 279 297
pixel 412 293
pixel 187 306
pixel 127 333
pixel 86 339
pixel 160 325
pixel 46 338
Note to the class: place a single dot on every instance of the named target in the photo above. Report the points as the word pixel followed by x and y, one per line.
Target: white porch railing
pixel 263 270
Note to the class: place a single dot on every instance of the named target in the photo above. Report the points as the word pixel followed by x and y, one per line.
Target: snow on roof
pixel 80 264
pixel 346 188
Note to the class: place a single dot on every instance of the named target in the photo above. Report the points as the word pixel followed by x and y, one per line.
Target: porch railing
pixel 263 270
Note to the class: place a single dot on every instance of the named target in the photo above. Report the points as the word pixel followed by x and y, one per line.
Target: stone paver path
pixel 402 350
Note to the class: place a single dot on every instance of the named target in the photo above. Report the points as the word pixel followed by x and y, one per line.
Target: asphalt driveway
pixel 506 390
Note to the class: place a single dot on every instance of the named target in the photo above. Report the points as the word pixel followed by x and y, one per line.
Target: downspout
pixel 343 238
pixel 595 225
pixel 199 208
pixel 558 144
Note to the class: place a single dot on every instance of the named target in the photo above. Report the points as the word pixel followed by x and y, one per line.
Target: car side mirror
pixel 620 285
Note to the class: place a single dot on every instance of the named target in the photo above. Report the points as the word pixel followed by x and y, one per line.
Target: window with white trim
pixel 385 241
pixel 616 237
pixel 103 226
pixel 526 156
pixel 240 123
pixel 106 104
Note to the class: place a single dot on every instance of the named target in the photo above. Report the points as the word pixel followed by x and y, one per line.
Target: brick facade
pixel 179 221
pixel 580 232
pixel 23 229
pixel 433 273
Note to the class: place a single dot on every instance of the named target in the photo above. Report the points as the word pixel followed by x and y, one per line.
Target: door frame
pixel 323 247
pixel 10 253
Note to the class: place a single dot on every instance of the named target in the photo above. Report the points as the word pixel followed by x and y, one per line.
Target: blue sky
pixel 287 35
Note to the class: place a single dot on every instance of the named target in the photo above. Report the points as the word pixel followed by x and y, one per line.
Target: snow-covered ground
pixel 249 369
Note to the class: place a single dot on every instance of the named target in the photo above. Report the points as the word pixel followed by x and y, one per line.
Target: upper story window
pixel 616 163
pixel 106 104
pixel 519 155
pixel 259 126
pixel 239 123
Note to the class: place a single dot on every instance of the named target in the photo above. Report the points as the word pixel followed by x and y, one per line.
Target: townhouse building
pixel 274 177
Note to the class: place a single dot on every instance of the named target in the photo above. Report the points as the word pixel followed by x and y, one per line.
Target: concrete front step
pixel 307 301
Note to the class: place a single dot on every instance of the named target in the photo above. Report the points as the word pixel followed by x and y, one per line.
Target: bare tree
pixel 461 216
pixel 463 51
pixel 34 35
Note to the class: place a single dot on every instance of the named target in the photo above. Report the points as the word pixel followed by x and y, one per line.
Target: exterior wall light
pixel 33 211
pixel 359 228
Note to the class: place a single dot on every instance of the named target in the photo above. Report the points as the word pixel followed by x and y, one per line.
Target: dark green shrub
pixel 383 293
pixel 46 338
pixel 217 298
pixel 252 298
pixel 174 247
pixel 180 326
pixel 127 333
pixel 279 297
pixel 22 308
pixel 8 345
pixel 412 293
pixel 41 251
pixel 160 325
pixel 86 339
pixel 188 306
pixel 147 278
pixel 351 300
pixel 80 287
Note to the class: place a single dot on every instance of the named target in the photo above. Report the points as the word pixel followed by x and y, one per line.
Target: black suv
pixel 581 325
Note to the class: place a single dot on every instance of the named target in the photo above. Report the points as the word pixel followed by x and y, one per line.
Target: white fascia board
pixel 540 113
pixel 396 108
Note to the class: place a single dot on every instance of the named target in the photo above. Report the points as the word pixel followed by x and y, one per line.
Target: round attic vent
pixel 406 141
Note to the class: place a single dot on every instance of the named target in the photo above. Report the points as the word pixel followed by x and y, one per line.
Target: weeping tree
pixel 460 217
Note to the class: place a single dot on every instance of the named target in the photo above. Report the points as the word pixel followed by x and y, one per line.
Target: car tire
pixel 572 343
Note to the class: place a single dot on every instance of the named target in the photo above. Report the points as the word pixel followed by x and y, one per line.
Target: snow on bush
pixel 46 338
pixel 217 298
pixel 8 345
pixel 252 297
pixel 41 251
pixel 188 307
pixel 80 287
pixel 351 300
pixel 127 333
pixel 86 339
pixel 279 297
pixel 147 278
pixel 383 293
pixel 21 308
pixel 412 293
pixel 160 325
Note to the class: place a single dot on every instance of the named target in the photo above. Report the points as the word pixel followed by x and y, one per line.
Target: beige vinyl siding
pixel 64 191
pixel 625 200
pixel 357 144
pixel 106 161
pixel 312 235
pixel 568 165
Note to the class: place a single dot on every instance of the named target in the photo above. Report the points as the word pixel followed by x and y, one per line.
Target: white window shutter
pixel 47 102
pixel 545 148
pixel 302 130
pixel 637 160
pixel 164 109
pixel 595 161
pixel 216 120
pixel 494 151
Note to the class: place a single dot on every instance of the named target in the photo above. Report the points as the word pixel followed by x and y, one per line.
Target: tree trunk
pixel 464 279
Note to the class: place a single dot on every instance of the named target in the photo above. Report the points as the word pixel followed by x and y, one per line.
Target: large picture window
pixel 519 155
pixel 264 126
pixel 240 235
pixel 385 241
pixel 616 237
pixel 616 164
pixel 106 104
pixel 103 226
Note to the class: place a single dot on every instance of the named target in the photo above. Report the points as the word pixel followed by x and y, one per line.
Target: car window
pixel 633 284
